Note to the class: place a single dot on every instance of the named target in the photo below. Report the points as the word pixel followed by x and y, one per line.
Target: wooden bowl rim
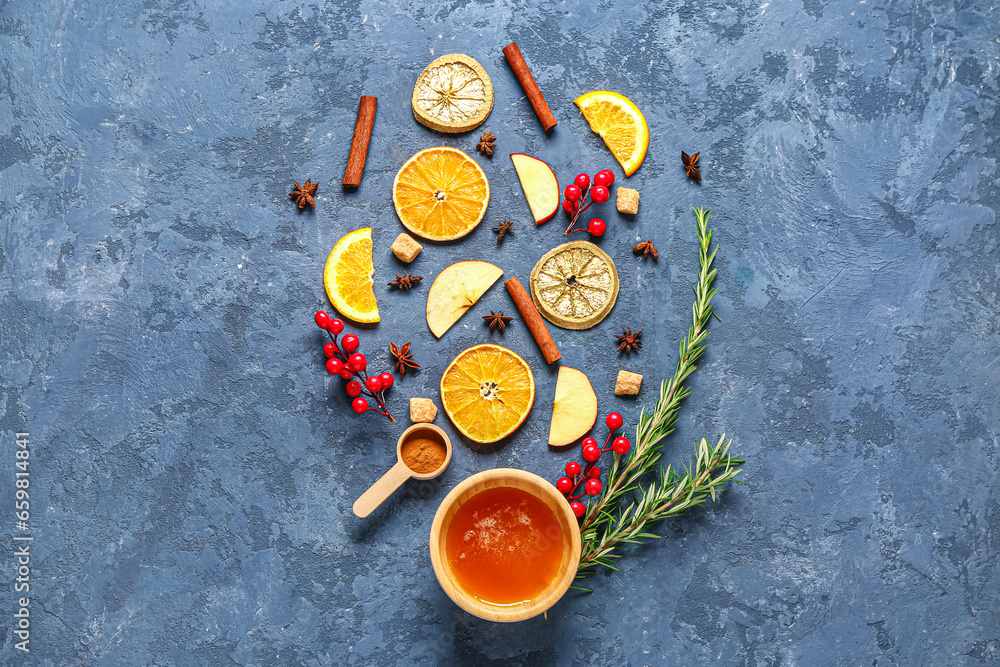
pixel 542 488
pixel 421 426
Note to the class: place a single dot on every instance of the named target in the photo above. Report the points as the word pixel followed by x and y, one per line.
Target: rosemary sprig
pixel 603 529
pixel 674 494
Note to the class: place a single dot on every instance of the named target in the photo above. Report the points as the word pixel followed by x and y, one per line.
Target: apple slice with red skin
pixel 574 410
pixel 540 185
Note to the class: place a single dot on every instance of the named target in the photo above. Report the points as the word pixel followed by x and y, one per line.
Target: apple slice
pixel 540 185
pixel 454 291
pixel 575 409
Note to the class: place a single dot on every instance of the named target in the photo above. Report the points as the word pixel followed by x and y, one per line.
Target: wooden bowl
pixel 541 489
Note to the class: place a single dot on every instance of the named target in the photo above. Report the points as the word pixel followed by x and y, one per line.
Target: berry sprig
pixel 590 476
pixel 577 192
pixel 345 360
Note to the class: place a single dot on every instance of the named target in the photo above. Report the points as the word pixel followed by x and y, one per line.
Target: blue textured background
pixel 193 468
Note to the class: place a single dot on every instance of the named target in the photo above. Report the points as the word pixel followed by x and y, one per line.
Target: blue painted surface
pixel 193 468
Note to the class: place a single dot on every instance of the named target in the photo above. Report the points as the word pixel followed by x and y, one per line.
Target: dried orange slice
pixel 487 392
pixel 440 194
pixel 348 276
pixel 620 124
pixel 453 94
pixel 575 285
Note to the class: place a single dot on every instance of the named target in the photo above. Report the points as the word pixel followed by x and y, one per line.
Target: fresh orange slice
pixel 620 124
pixel 440 194
pixel 348 277
pixel 487 392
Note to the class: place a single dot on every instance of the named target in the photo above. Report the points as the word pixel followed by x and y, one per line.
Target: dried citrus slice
pixel 348 276
pixel 440 194
pixel 575 285
pixel 487 392
pixel 453 94
pixel 620 124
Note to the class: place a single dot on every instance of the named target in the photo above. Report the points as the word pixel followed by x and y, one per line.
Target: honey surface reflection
pixel 504 546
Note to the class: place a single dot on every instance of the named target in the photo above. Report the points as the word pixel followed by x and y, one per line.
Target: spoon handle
pixel 382 489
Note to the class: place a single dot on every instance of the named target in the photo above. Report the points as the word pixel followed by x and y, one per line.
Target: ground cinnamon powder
pixel 423 455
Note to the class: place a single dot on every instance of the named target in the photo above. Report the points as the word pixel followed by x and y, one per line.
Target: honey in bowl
pixel 504 546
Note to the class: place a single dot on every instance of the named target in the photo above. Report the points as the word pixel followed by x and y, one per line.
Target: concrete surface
pixel 192 467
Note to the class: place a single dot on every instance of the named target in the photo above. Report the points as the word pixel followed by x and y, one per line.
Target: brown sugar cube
pixel 628 383
pixel 628 200
pixel 406 248
pixel 422 410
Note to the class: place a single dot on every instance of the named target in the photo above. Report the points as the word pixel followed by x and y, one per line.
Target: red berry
pixel 599 194
pixel 569 206
pixel 387 379
pixel 564 484
pixel 346 373
pixel 359 405
pixel 593 486
pixel 330 350
pixel 334 366
pixel 353 388
pixel 573 468
pixel 335 326
pixel 604 177
pixel 579 509
pixel 597 227
pixel 572 192
pixel 374 384
pixel 322 319
pixel 587 442
pixel 595 473
pixel 357 362
pixel 614 421
pixel 582 181
pixel 621 446
pixel 350 343
pixel 591 453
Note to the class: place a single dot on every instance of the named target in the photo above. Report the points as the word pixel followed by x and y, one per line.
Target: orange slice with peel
pixel 440 194
pixel 620 124
pixel 487 391
pixel 348 277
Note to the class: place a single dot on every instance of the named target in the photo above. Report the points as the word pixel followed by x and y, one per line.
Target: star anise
pixel 405 281
pixel 646 248
pixel 629 341
pixel 502 229
pixel 304 193
pixel 486 144
pixel 404 359
pixel 691 165
pixel 497 321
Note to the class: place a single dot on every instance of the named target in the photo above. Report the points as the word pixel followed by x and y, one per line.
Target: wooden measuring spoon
pixel 399 473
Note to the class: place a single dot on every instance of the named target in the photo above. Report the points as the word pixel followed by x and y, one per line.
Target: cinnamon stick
pixel 532 318
pixel 531 89
pixel 359 145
